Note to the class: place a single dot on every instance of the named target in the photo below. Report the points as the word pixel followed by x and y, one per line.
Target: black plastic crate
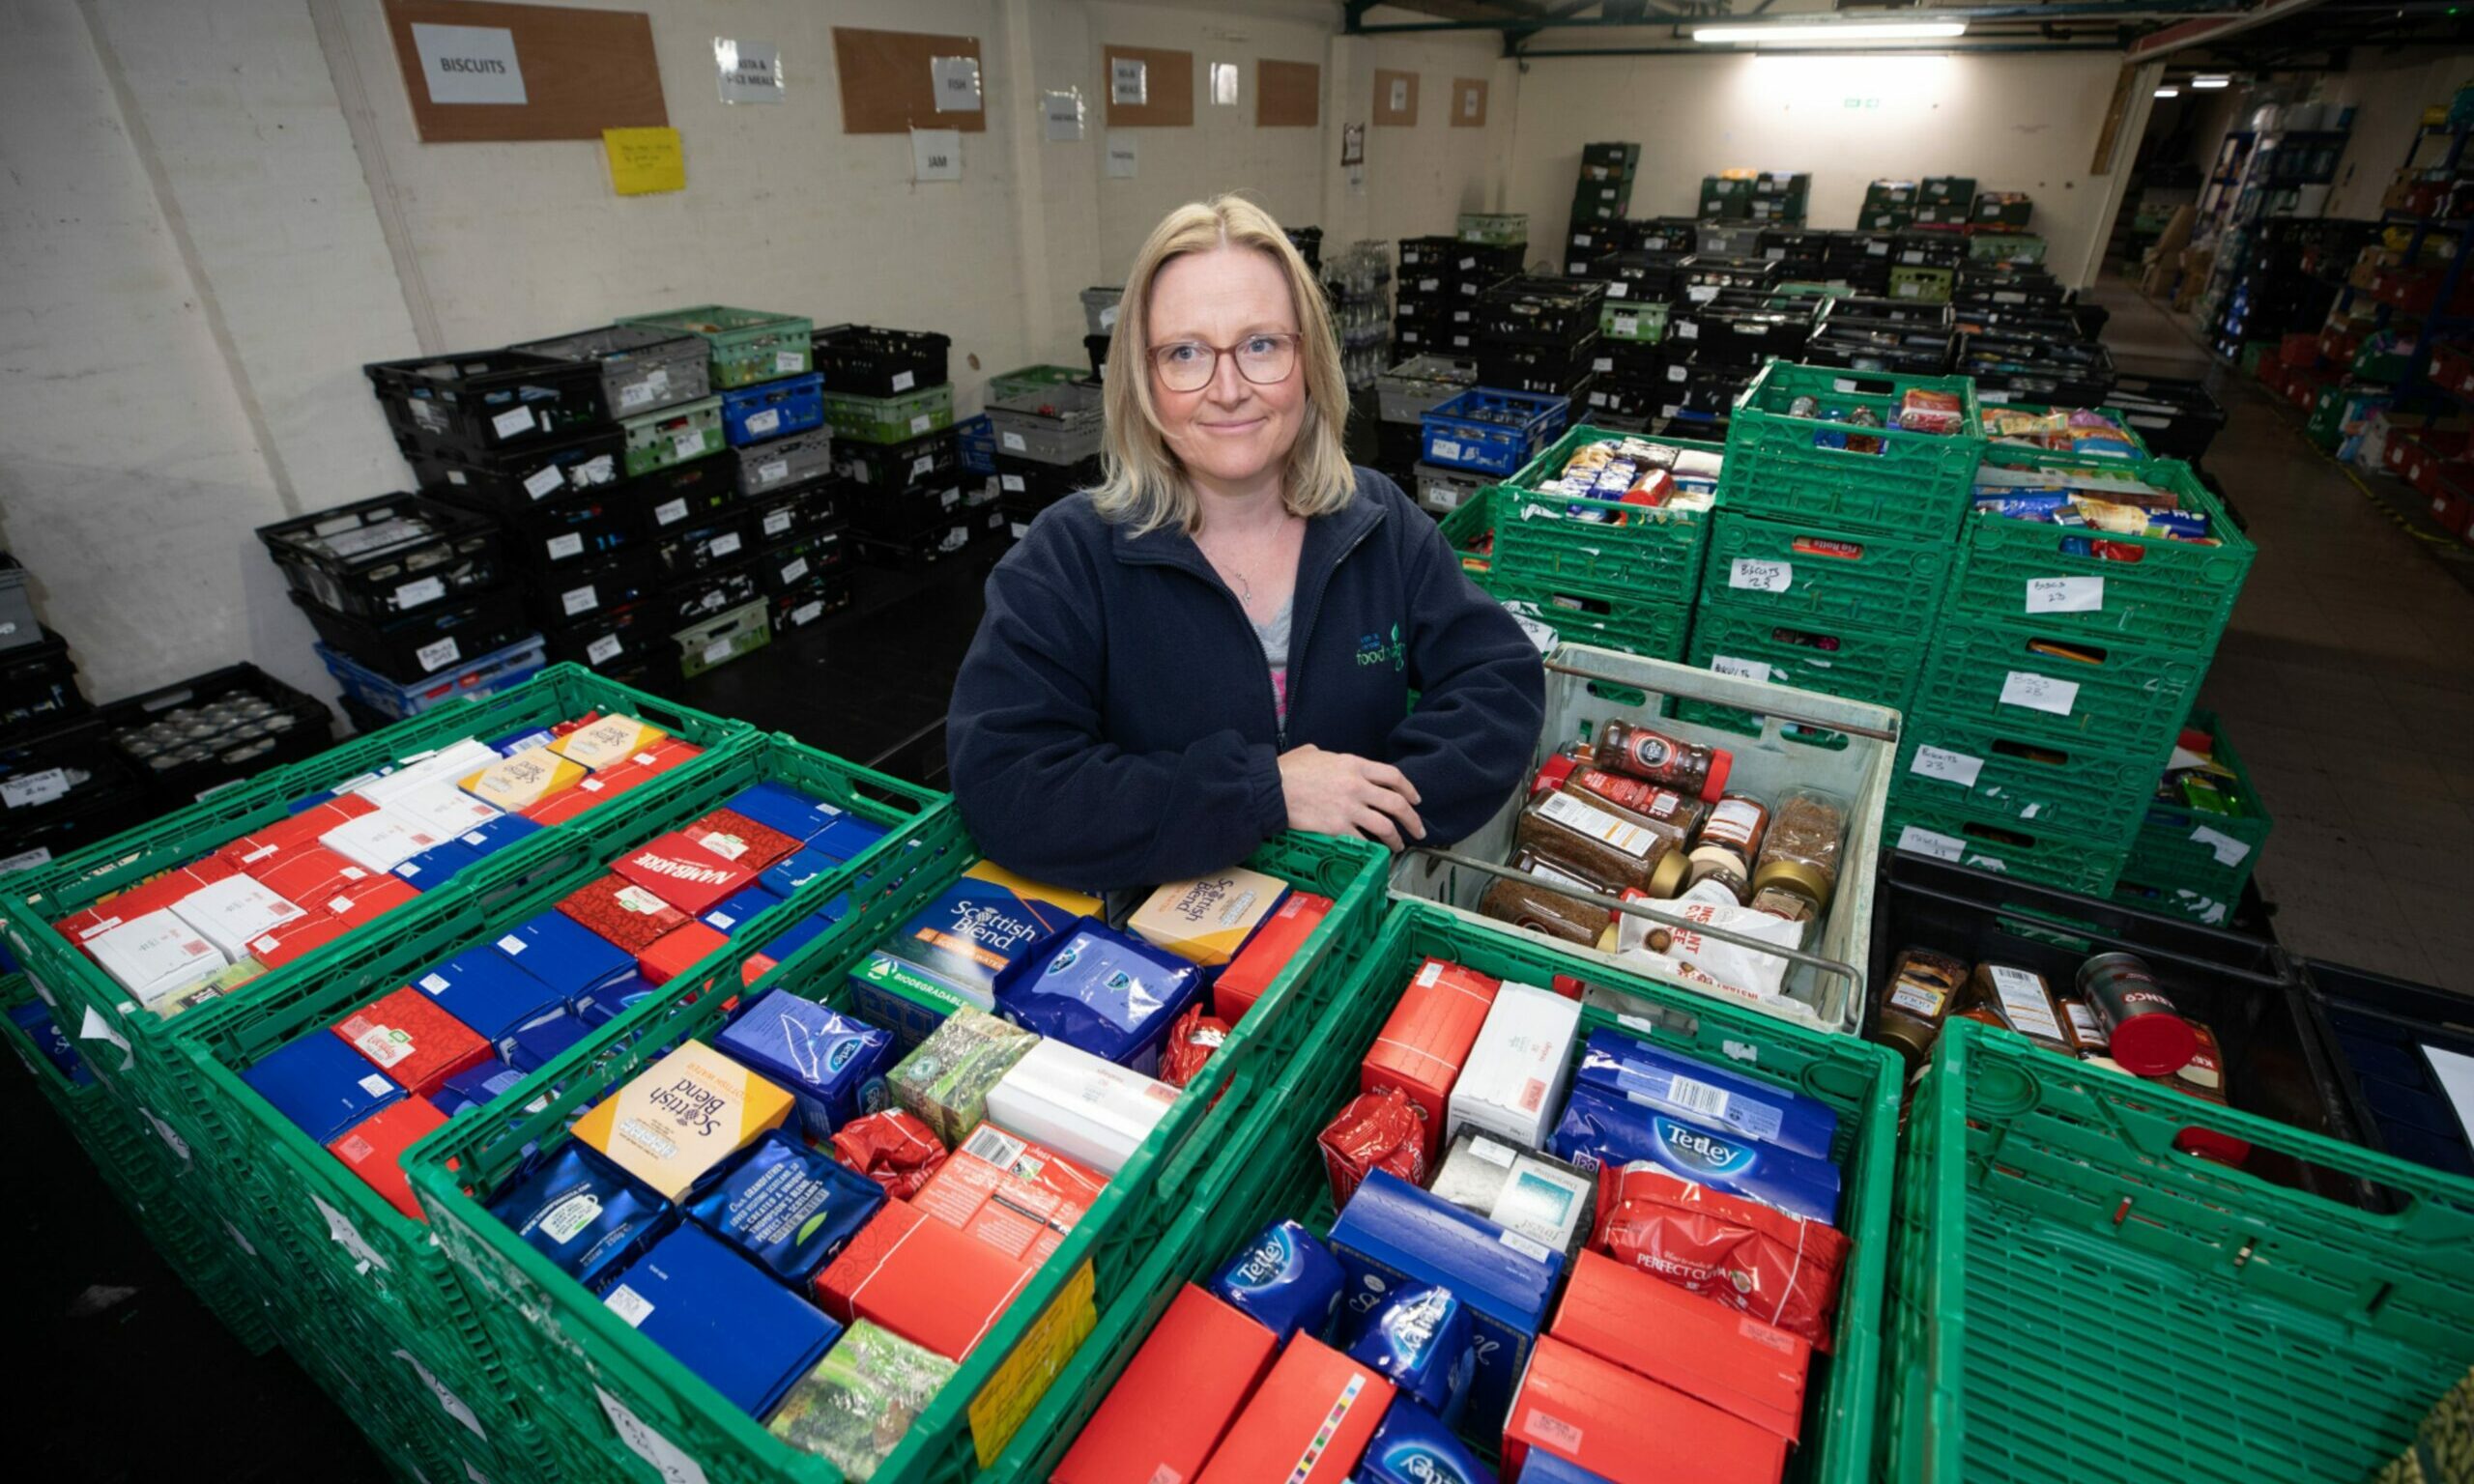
pixel 795 511
pixel 1309 242
pixel 905 516
pixel 39 685
pixel 934 458
pixel 1621 155
pixel 1745 337
pixel 862 361
pixel 189 739
pixel 1539 311
pixel 383 556
pixel 1623 399
pixel 1428 252
pixel 2054 372
pixel 2373 1030
pixel 486 401
pixel 1020 479
pixel 36 837
pixel 1529 358
pixel 700 546
pixel 675 498
pixel 1868 312
pixel 701 596
pixel 579 592
pixel 1908 353
pixel 428 640
pixel 49 774
pixel 2176 417
pixel 1919 249
pixel 619 644
pixel 816 598
pixel 786 565
pixel 517 479
pixel 1699 278
pixel 545 540
pixel 1636 361
pixel 1644 274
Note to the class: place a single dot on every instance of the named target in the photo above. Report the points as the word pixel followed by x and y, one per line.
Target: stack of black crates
pixel 1435 305
pixel 1048 437
pixel 890 402
pixel 61 787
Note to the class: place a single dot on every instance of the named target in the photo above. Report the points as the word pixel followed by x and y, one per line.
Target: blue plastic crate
pixel 490 674
pixel 978 444
pixel 755 414
pixel 1492 432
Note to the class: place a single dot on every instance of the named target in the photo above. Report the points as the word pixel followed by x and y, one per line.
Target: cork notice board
pixel 584 72
pixel 1468 102
pixel 887 87
pixel 1168 88
pixel 1396 99
pixel 1287 95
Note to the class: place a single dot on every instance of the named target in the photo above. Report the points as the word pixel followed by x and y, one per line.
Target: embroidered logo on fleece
pixel 1375 650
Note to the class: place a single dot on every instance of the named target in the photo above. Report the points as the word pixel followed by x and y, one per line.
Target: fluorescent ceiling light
pixel 2211 83
pixel 1832 35
pixel 2168 92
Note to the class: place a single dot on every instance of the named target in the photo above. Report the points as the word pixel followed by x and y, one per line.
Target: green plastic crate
pixel 672 435
pixel 570 1350
pixel 1277 1171
pixel 2174 595
pixel 1654 554
pixel 891 419
pixel 1496 228
pixel 2005 248
pixel 1639 323
pixel 2073 1298
pixel 2130 698
pixel 2092 787
pixel 1581 615
pixel 1924 825
pixel 1798 570
pixel 367 1257
pixel 1924 285
pixel 1470 527
pixel 1871 664
pixel 2209 855
pixel 1779 465
pixel 1031 380
pixel 748 345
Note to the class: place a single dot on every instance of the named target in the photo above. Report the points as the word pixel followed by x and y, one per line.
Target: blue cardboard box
pixel 1600 1131
pixel 1391 1233
pixel 833 1065
pixel 435 866
pixel 779 806
pixel 604 1004
pixel 492 835
pixel 1544 1468
pixel 724 1318
pixel 515 742
pixel 539 1044
pixel 1413 1446
pixel 846 838
pixel 53 1042
pixel 1101 992
pixel 737 910
pixel 571 958
pixel 321 1083
pixel 477 1087
pixel 483 988
pixel 1631 1070
pixel 794 871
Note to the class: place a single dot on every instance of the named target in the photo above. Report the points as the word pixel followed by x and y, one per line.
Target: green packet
pixel 946 1081
pixel 861 1399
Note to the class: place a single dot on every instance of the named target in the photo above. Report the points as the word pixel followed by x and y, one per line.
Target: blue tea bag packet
pixel 1597 1131
pixel 601 1006
pixel 435 866
pixel 833 1064
pixel 1544 1468
pixel 794 871
pixel 477 1087
pixel 1413 1446
pixel 583 1216
pixel 52 1041
pixel 1286 1280
pixel 1100 992
pixel 1629 1070
pixel 787 1208
pixel 738 909
pixel 483 988
pixel 723 1318
pixel 566 954
pixel 322 1084
pixel 538 1044
pixel 1421 1339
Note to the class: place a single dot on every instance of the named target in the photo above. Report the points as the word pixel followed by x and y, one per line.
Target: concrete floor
pixel 2345 682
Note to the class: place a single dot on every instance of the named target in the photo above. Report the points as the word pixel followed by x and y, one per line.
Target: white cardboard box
pixel 449 763
pixel 154 955
pixel 441 808
pixel 230 912
pixel 1081 1106
pixel 1512 1084
pixel 381 842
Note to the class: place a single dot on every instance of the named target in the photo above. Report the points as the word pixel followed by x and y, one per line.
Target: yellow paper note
pixel 645 161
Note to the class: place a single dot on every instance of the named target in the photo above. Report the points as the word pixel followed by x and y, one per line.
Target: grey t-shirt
pixel 1275 637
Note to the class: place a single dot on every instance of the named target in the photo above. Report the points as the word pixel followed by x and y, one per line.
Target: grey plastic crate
pixel 1054 425
pixel 1442 491
pixel 1404 392
pixel 782 462
pixel 643 367
pixel 1100 309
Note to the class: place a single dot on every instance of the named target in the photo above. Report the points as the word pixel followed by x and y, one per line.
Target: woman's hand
pixel 1340 793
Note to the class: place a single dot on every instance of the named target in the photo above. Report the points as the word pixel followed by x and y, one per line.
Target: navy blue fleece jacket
pixel 1113 724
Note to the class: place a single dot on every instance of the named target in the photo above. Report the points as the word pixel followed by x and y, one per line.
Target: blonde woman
pixel 1219 643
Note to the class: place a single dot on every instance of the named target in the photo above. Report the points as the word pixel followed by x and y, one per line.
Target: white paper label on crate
pixel 789 362
pixel 1997 398
pixel 415 594
pixel 770 472
pixel 600 469
pixel 665 1456
pixel 35 787
pixel 1916 839
pixel 2039 692
pixel 1441 497
pixel 2229 851
pixel 763 422
pixel 512 422
pixel 1678 373
pixel 1020 529
pixel 342 1230
pixel 1445 449
pixel 1749 669
pixel 922 422
pixel 777 523
pixel 805 613
pixel 447 1401
pixel 1542 635
pixel 1013 442
pixel 602 650
pixel 723 546
pixel 923 466
pixel 541 483
pixel 1012 484
pixel 165 1132
pixel 689 446
pixel 95 1027
pixel 1948 766
pixel 469 64
pixel 1467 264
pixel 239 1240
pixel 635 394
pixel 717 651
pixel 1687 330
pixel 669 513
pixel 2065 594
pixel 1627 326
pixel 1756 576
pixel 560 547
pixel 432 656
pixel 1617 288
pixel 949 498
pixel 579 600
pixel 25 860
pixel 1701 293
pixel 2008 297
pixel 792 571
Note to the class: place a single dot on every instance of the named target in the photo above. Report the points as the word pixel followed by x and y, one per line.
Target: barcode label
pixel 1697 1098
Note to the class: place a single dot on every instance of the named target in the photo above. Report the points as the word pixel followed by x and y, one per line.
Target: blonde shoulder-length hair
pixel 1144 483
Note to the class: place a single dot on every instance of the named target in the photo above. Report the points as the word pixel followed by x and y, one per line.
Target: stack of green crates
pixel 1604 191
pixel 1827 562
pixel 2063 668
pixel 1889 206
pixel 2195 861
pixel 1595 571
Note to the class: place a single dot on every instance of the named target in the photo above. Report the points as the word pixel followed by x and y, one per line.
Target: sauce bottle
pixel 1684 766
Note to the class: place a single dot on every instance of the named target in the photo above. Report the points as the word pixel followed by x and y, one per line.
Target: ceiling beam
pixel 2193 33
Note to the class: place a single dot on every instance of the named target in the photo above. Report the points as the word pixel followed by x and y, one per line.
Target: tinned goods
pixel 1544 903
pixel 2024 1003
pixel 1687 767
pixel 2144 1032
pixel 1923 987
pixel 1800 850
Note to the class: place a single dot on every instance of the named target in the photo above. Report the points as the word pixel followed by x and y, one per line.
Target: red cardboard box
pixel 1307 1423
pixel 408 1037
pixel 375 1148
pixel 1629 1429
pixel 147 896
pixel 1679 1339
pixel 260 847
pixel 623 913
pixel 922 1279
pixel 1268 952
pixel 607 784
pixel 308 875
pixel 1422 1047
pixel 683 874
pixel 356 902
pixel 1176 1398
pixel 302 935
pixel 1010 1193
pixel 733 837
pixel 677 951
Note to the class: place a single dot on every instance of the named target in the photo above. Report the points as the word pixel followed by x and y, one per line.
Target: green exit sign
pixel 1864 103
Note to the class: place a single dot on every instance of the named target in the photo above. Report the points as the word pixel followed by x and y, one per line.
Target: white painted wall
pixel 2015 121
pixel 2388 95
